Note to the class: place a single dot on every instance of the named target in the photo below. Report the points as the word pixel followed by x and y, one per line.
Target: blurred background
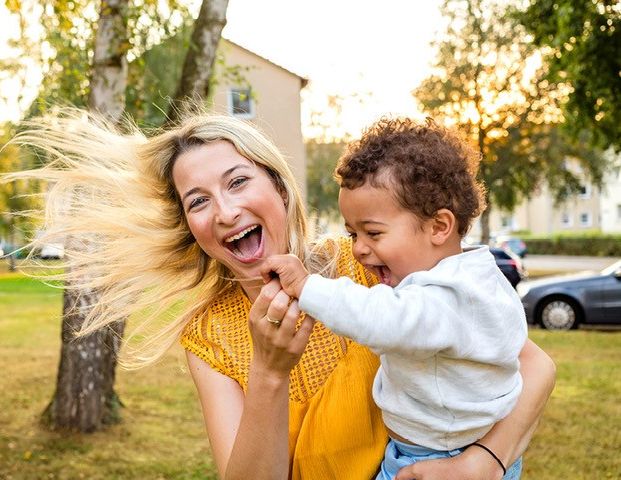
pixel 534 84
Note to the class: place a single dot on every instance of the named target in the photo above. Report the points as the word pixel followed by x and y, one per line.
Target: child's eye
pixel 373 234
pixel 238 182
pixel 351 235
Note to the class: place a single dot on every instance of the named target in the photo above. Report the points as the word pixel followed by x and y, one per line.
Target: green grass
pixel 579 436
pixel 162 435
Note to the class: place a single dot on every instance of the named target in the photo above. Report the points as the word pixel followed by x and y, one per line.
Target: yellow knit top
pixel 335 428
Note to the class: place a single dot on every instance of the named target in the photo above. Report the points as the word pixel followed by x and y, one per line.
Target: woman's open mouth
pixel 246 245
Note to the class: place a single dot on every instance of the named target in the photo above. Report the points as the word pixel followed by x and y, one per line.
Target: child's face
pixel 389 240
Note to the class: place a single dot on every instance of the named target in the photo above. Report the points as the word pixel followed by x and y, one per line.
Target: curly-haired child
pixel 447 324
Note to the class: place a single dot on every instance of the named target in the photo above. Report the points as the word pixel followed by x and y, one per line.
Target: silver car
pixel 563 303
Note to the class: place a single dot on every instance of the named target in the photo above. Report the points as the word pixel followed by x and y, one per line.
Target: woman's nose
pixel 227 212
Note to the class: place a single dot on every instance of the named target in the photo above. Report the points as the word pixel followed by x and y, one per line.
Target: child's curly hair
pixel 429 168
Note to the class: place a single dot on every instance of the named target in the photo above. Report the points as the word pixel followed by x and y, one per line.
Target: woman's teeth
pixel 240 234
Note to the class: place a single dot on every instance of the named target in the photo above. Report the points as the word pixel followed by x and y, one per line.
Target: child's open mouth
pixel 383 273
pixel 246 245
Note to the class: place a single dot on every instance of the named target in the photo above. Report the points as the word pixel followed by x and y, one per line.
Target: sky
pixel 371 53
pixel 377 50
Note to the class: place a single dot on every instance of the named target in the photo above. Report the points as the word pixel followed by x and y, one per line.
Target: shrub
pixel 590 243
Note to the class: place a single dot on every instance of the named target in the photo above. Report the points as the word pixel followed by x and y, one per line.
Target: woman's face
pixel 232 207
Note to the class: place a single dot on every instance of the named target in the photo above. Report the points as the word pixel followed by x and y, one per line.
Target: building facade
pixel 267 95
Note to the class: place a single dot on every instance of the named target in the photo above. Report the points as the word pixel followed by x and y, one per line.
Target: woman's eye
pixel 196 202
pixel 238 181
pixel 373 234
pixel 351 235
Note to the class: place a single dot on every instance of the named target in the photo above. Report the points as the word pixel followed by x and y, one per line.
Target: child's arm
pixel 290 270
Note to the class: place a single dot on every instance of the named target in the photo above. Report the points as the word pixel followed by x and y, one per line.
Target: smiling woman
pixel 184 219
pixel 233 209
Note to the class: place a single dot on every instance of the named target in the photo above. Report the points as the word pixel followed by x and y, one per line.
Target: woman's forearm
pixel 261 447
pixel 509 438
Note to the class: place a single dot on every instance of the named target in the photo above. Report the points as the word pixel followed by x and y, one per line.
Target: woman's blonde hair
pixel 113 201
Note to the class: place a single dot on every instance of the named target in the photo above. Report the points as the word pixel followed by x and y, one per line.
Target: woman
pixel 190 214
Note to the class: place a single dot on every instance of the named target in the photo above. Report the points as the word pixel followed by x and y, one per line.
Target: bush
pixel 592 244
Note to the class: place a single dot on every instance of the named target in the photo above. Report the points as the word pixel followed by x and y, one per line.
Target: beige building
pixel 591 209
pixel 540 216
pixel 268 95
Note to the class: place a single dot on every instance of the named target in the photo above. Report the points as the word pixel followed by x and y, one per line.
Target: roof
pixel 304 80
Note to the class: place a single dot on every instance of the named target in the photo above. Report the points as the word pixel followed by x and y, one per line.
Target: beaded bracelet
pixel 504 470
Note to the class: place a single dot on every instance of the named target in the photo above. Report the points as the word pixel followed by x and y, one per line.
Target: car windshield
pixel 612 268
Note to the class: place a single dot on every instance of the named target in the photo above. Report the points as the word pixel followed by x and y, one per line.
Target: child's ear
pixel 443 225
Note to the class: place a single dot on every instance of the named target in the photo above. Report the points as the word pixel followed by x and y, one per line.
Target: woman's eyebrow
pixel 224 175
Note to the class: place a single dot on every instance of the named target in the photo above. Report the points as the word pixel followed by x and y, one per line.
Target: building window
pixel 585 219
pixel 585 191
pixel 241 103
pixel 566 220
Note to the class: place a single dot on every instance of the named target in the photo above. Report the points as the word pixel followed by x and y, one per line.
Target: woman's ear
pixel 285 197
pixel 443 225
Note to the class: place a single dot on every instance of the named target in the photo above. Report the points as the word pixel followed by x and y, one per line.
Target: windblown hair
pixel 113 202
pixel 427 166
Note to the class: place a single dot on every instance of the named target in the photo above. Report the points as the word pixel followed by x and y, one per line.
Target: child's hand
pixel 290 270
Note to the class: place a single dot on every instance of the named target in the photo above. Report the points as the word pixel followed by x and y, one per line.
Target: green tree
pixel 15 197
pixel 488 83
pixel 88 67
pixel 322 190
pixel 581 43
pixel 85 399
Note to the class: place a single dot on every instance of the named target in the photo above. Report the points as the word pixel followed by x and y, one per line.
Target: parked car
pixel 515 244
pixel 563 303
pixel 510 265
pixel 51 251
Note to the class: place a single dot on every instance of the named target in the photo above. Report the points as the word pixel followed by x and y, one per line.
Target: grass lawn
pixel 162 435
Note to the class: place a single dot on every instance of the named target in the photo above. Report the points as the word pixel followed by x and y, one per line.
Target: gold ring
pixel 272 321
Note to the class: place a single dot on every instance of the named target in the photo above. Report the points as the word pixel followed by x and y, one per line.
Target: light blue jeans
pixel 399 454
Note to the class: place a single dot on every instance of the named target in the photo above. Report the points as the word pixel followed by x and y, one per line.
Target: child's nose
pixel 360 248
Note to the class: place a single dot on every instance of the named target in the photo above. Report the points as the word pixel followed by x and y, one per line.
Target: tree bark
pixel 197 68
pixel 85 399
pixel 109 76
pixel 484 222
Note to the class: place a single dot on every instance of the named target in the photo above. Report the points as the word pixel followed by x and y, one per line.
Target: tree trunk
pixel 109 76
pixel 484 221
pixel 197 68
pixel 85 400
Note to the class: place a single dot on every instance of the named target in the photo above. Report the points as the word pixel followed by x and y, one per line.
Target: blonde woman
pixel 188 216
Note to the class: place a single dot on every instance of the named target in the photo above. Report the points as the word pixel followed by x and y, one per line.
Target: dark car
pixel 516 245
pixel 563 303
pixel 510 265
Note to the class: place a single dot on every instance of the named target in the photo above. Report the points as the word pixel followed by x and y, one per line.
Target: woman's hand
pixel 472 464
pixel 277 346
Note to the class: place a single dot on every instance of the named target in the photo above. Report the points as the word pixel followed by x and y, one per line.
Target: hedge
pixel 591 244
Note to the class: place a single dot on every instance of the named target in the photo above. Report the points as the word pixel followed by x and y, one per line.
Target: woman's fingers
pixel 289 320
pixel 264 300
pixel 279 306
pixel 298 344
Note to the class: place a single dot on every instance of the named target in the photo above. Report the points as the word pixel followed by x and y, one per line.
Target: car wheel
pixel 559 314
